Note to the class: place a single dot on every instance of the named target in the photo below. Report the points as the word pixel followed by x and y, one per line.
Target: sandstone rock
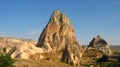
pixel 19 48
pixel 25 50
pixel 100 44
pixel 57 35
pixel 10 42
pixel 71 54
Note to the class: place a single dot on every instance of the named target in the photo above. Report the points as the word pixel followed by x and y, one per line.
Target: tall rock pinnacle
pixel 58 35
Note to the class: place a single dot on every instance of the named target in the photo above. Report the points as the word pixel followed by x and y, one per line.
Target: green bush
pixel 6 61
pixel 103 59
pixel 119 59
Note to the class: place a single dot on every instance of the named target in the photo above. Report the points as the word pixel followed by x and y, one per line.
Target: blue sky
pixel 27 18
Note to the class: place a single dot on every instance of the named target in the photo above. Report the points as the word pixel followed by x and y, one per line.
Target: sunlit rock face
pixel 25 50
pixel 19 48
pixel 11 42
pixel 57 35
pixel 7 43
pixel 100 44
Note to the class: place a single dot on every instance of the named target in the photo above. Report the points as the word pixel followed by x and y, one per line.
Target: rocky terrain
pixel 11 42
pixel 58 47
pixel 19 48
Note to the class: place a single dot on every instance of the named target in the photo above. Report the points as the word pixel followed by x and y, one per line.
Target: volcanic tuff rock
pixel 57 35
pixel 100 44
pixel 25 50
pixel 19 48
pixel 9 42
pixel 71 54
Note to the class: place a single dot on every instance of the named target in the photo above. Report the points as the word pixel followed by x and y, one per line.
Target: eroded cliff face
pixel 57 35
pixel 100 44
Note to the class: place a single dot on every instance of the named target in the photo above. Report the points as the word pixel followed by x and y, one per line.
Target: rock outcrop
pixel 58 35
pixel 11 42
pixel 100 44
pixel 6 43
pixel 19 48
pixel 71 54
pixel 25 50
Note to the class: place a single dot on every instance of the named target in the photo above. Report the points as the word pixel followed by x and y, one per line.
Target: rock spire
pixel 58 35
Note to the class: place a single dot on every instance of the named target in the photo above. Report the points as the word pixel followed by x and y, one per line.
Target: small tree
pixel 6 61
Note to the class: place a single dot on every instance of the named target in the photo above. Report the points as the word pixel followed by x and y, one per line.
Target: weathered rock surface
pixel 71 54
pixel 19 48
pixel 25 50
pixel 100 44
pixel 57 35
pixel 11 42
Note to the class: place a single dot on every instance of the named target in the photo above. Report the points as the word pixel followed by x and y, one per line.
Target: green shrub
pixel 103 59
pixel 119 59
pixel 6 61
pixel 102 65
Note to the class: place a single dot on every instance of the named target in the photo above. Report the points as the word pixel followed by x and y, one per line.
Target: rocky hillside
pixel 56 42
pixel 11 42
pixel 19 48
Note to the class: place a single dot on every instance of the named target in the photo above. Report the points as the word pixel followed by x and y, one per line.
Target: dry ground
pixel 53 60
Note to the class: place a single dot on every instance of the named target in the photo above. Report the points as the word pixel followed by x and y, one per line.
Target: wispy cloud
pixel 32 32
pixel 1 32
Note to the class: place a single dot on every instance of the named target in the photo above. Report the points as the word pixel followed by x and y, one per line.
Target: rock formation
pixel 100 44
pixel 19 48
pixel 71 54
pixel 25 50
pixel 11 42
pixel 58 35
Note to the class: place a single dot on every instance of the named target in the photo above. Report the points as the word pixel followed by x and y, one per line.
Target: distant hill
pixel 111 46
pixel 11 41
pixel 115 46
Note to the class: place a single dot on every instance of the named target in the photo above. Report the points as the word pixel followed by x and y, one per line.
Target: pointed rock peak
pixel 57 32
pixel 56 13
pixel 98 36
pixel 100 44
pixel 59 18
pixel 57 35
pixel 64 19
pixel 63 15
